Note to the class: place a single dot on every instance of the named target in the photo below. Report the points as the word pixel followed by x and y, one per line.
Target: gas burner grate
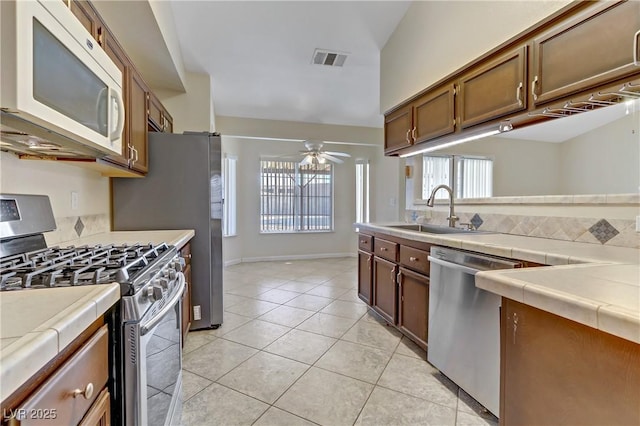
pixel 76 266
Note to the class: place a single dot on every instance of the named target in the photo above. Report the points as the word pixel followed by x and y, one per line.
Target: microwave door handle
pixel 144 329
pixel 120 125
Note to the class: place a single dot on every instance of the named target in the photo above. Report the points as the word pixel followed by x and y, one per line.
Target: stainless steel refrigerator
pixel 183 190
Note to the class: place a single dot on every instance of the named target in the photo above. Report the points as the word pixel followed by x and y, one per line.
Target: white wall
pixel 436 38
pixel 603 161
pixel 519 167
pixel 56 180
pixel 360 142
pixel 192 110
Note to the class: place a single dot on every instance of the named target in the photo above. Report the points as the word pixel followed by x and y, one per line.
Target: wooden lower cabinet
pixel 557 371
pixel 100 412
pixel 74 391
pixel 365 277
pixel 385 295
pixel 413 305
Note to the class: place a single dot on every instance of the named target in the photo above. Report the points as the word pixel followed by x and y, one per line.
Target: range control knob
pixel 157 292
pixel 172 274
pixel 177 266
pixel 164 283
pixel 149 293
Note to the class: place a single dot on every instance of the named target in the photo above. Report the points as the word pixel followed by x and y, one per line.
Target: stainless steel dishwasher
pixel 464 323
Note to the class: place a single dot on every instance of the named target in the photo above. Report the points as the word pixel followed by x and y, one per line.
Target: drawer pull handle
pixel 383 249
pixel 87 392
pixel 413 259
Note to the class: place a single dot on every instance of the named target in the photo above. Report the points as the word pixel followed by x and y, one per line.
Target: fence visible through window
pixel 295 198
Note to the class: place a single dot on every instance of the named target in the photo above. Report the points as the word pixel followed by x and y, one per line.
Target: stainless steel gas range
pixel 147 356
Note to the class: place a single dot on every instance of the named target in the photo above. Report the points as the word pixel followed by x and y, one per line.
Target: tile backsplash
pixel 71 228
pixel 614 232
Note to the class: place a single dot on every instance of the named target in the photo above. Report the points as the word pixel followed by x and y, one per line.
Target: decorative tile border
pixel 73 227
pixel 613 232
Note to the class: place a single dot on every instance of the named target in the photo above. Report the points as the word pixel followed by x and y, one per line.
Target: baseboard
pixel 296 257
pixel 232 262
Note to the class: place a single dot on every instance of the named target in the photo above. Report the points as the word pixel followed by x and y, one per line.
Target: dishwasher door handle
pixel 465 269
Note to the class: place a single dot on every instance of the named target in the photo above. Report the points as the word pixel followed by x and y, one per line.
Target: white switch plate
pixel 75 200
pixel 637 223
pixel 392 201
pixel 197 315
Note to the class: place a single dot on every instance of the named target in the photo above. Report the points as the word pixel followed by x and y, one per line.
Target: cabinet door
pixel 434 114
pixel 384 289
pixel 557 371
pixel 167 122
pixel 397 129
pixel 117 55
pixel 155 113
pixel 413 302
pixel 100 412
pixel 595 47
pixel 494 89
pixel 82 10
pixel 365 283
pixel 138 122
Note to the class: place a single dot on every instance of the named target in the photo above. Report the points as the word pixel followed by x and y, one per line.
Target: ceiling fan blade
pixel 337 154
pixel 332 158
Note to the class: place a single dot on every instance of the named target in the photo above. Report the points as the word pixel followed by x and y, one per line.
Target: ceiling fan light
pixel 321 160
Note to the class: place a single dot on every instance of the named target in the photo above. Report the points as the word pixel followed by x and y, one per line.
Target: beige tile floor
pixel 298 347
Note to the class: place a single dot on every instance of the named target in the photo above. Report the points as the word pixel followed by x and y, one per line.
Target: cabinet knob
pixel 413 259
pixel 363 241
pixel 86 393
pixel 188 256
pixel 383 249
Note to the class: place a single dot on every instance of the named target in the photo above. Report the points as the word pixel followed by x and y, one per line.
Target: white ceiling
pixel 259 56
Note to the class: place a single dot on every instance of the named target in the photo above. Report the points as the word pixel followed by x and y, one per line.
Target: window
pixel 468 177
pixel 362 191
pixel 295 198
pixel 229 194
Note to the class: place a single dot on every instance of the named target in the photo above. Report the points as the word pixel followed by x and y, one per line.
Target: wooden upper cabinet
pixel 138 122
pixel 159 118
pixel 397 129
pixel 592 48
pixel 86 15
pixel 494 89
pixel 434 114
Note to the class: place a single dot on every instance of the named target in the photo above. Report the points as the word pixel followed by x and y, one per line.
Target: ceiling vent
pixel 329 58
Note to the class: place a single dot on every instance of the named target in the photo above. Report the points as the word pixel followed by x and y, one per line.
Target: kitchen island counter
pixel 37 324
pixel 595 285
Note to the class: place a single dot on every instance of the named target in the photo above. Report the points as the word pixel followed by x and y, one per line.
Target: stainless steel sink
pixel 435 229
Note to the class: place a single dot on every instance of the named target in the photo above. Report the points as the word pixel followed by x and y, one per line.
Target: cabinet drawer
pixel 89 365
pixel 365 243
pixel 414 259
pixel 386 249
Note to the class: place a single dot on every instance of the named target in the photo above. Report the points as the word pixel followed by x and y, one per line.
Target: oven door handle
pixel 144 329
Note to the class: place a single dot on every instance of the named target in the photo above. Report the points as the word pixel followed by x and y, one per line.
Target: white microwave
pixel 61 94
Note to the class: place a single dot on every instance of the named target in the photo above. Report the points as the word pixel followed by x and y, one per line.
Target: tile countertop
pixel 35 325
pixel 595 285
pixel 177 237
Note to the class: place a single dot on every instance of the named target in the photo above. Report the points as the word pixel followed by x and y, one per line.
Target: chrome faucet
pixel 452 217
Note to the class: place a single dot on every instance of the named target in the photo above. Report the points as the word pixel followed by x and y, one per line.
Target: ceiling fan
pixel 316 155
